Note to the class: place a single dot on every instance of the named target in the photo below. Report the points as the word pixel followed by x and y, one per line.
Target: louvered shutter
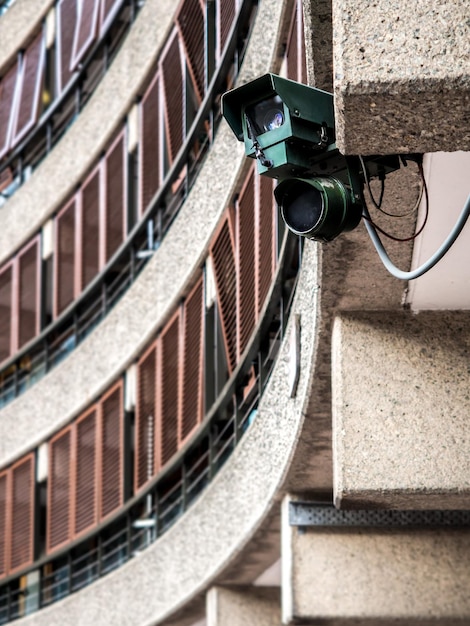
pixel 115 198
pixel 64 258
pixel 22 513
pixel 108 10
pixel 149 144
pixel 222 253
pixel 168 392
pixel 6 286
pixel 90 228
pixel 111 441
pixel 173 88
pixel 192 374
pixel 7 93
pixel 29 93
pixel 145 418
pixel 66 19
pixel 190 21
pixel 265 240
pixel 226 15
pixel 292 49
pixel 59 490
pixel 85 475
pixel 28 293
pixel 3 523
pixel 85 30
pixel 246 309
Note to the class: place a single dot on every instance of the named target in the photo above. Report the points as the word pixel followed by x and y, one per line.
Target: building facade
pixel 205 420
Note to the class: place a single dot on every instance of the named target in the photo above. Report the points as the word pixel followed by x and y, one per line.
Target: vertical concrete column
pixel 243 606
pixel 401 406
pixel 371 576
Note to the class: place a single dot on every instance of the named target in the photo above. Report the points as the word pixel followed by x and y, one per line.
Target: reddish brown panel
pixel 190 20
pixel 32 74
pixel 6 286
pixel 172 76
pixel 85 30
pixel 168 392
pixel 7 93
pixel 90 228
pixel 85 478
pixel 22 513
pixel 3 523
pixel 149 144
pixel 66 19
pixel 108 10
pixel 226 14
pixel 115 196
pixel 265 239
pixel 192 362
pixel 246 308
pixel 59 490
pixel 145 418
pixel 223 259
pixel 111 441
pixel 28 293
pixel 64 258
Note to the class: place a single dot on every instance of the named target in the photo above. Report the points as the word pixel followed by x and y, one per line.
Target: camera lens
pixel 273 119
pixel 302 207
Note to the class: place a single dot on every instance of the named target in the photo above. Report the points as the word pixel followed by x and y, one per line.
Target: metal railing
pixel 56 341
pixel 148 515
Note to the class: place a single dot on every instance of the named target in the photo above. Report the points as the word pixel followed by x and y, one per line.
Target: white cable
pixel 436 257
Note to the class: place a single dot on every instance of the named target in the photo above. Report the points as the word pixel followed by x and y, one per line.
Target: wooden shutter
pixel 85 475
pixel 226 15
pixel 108 10
pixel 190 21
pixel 173 88
pixel 168 392
pixel 66 18
pixel 145 418
pixel 22 513
pixel 192 362
pixel 222 253
pixel 246 309
pixel 7 99
pixel 265 239
pixel 64 257
pixel 28 293
pixel 111 442
pixel 6 291
pixel 3 522
pixel 115 196
pixel 90 228
pixel 149 144
pixel 59 490
pixel 29 88
pixel 85 30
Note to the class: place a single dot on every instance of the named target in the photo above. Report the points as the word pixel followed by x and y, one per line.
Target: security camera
pixel 289 128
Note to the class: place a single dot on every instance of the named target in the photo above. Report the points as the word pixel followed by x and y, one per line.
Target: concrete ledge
pixel 400 410
pixel 241 606
pixel 375 577
pixel 18 23
pixel 402 76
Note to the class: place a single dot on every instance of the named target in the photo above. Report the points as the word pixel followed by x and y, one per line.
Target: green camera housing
pixel 294 146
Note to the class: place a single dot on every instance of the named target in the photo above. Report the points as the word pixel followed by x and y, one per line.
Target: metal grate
pixel 59 490
pixel 6 292
pixel 65 257
pixel 145 418
pixel 22 513
pixel 112 451
pixel 28 293
pixel 190 21
pixel 149 146
pixel 174 101
pixel 226 12
pixel 115 196
pixel 90 228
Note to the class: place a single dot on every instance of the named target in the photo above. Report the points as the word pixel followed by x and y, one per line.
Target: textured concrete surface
pixel 400 409
pixel 17 25
pixel 375 577
pixel 401 76
pixel 69 161
pixel 319 43
pixel 242 606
